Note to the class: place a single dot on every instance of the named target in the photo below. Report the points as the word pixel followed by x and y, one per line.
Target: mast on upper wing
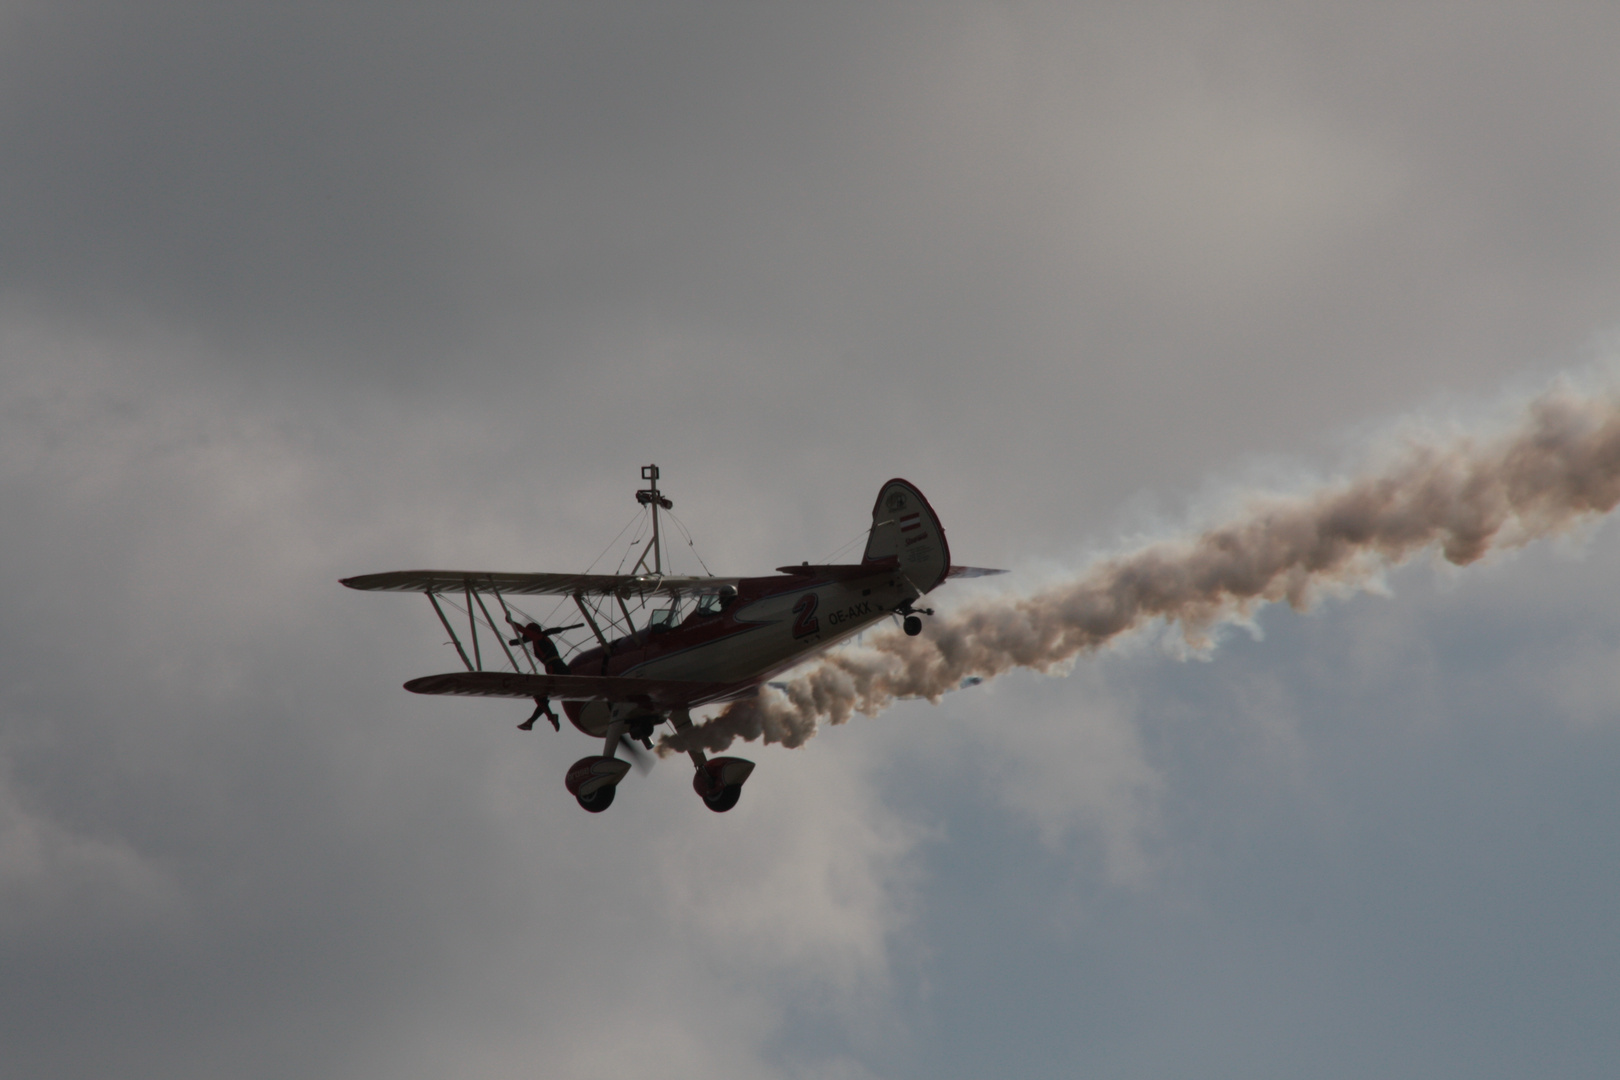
pixel 652 497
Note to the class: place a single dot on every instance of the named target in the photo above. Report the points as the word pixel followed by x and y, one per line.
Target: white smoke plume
pixel 1464 495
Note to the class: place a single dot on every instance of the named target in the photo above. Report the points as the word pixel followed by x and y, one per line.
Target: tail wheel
pixel 913 626
pixel 600 799
pixel 724 799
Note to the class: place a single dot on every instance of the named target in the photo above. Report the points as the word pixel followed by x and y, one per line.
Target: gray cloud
pixel 298 293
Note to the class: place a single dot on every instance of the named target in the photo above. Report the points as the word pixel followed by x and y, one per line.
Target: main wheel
pixel 600 799
pixel 913 626
pixel 724 799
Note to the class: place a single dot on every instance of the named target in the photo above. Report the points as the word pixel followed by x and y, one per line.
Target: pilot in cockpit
pixel 715 603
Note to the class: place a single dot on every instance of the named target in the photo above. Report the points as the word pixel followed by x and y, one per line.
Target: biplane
pixel 699 640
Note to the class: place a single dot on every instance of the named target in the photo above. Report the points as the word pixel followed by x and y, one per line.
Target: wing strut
pixel 579 602
pixel 499 637
pixel 439 611
pixel 472 628
pixel 628 621
pixel 512 623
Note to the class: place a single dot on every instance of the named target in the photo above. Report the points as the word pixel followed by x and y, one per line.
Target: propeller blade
pixel 638 757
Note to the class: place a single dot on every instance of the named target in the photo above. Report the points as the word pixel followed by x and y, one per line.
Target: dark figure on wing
pixel 545 651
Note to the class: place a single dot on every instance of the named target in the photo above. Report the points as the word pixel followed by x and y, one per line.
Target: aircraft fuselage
pixel 773 624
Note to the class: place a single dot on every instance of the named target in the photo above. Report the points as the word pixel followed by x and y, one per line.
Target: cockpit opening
pixel 715 603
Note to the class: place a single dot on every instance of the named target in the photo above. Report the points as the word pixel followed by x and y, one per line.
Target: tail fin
pixel 905 530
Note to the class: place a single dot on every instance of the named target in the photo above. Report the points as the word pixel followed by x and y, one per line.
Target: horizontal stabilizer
pixel 664 693
pixel 840 571
pixel 971 571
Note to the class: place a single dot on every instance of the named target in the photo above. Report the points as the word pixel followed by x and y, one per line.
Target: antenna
pixel 651 496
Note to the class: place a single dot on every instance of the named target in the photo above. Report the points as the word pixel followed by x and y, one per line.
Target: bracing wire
pixel 444 598
pixel 642 517
pixel 845 546
pixel 640 522
pixel 687 533
pixel 551 615
pixel 633 519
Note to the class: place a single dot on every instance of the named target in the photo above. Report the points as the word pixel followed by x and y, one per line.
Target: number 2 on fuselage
pixel 806 623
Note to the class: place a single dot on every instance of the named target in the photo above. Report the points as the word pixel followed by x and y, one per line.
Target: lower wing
pixel 665 693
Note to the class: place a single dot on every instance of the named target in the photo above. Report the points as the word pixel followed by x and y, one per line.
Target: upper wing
pixel 451 581
pixel 666 693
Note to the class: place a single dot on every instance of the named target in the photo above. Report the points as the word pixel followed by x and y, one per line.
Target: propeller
pixel 638 757
pixel 639 735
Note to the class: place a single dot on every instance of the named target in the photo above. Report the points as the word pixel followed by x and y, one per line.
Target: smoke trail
pixel 1464 495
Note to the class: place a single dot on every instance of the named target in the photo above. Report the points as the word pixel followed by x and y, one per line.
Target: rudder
pixel 905 529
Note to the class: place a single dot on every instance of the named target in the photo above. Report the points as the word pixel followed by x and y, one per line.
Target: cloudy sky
pixel 294 292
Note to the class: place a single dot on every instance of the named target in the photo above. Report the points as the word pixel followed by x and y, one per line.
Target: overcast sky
pixel 294 292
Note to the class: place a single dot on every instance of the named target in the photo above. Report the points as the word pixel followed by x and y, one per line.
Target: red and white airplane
pixel 703 640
